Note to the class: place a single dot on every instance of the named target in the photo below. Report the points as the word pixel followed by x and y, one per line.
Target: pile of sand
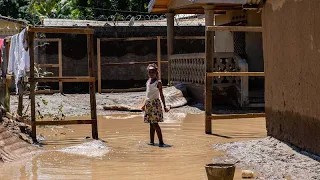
pixel 12 148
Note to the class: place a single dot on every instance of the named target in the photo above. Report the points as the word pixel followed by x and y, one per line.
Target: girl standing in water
pixel 152 105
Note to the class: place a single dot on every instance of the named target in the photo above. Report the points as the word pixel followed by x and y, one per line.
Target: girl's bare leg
pixel 152 132
pixel 159 133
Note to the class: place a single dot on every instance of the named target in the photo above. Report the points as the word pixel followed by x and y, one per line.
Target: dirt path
pixel 271 159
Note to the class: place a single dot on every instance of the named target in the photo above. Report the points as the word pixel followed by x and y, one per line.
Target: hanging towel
pixel 1 59
pixel 19 59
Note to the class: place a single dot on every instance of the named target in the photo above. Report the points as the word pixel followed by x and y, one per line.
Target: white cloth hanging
pixel 19 59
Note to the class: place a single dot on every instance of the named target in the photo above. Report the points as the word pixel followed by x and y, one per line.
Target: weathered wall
pixel 8 28
pixel 75 52
pixel 291 40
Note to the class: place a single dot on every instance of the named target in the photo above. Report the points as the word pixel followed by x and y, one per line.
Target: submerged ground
pixel 123 153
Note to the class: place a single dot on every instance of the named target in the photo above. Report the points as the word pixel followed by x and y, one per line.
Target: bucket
pixel 220 171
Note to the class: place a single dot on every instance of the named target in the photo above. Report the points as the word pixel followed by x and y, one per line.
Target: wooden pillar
pixel 60 65
pixel 159 55
pixel 32 85
pixel 209 20
pixel 170 39
pixel 99 65
pixel 92 86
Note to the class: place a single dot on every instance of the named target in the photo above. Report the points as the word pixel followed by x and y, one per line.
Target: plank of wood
pixel 257 74
pixel 63 122
pixel 131 63
pixel 99 64
pixel 235 28
pixel 60 65
pixel 159 55
pixel 63 79
pixel 47 40
pixel 92 87
pixel 32 85
pixel 237 116
pixel 129 39
pixel 48 65
pixel 122 90
pixel 61 30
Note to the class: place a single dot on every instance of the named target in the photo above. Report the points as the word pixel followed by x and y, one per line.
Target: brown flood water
pixel 130 157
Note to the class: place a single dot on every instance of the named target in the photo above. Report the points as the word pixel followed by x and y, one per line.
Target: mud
pixel 271 159
pixel 129 157
pixel 12 148
pixel 79 104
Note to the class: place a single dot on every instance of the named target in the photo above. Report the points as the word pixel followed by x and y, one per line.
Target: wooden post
pixel 32 85
pixel 92 87
pixel 99 64
pixel 209 18
pixel 20 104
pixel 60 65
pixel 159 55
pixel 170 39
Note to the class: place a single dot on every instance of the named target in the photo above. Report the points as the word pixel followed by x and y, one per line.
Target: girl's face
pixel 152 73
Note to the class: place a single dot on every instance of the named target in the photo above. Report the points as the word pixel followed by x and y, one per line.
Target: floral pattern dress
pixel 153 109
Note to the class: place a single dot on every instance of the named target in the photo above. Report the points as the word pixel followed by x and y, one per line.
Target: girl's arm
pixel 162 96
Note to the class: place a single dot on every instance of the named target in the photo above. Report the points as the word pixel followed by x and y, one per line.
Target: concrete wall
pixel 291 40
pixel 223 39
pixel 75 52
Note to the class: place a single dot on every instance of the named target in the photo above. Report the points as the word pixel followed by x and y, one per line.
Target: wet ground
pixel 125 153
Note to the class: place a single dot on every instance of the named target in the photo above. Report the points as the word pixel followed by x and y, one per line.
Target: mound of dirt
pixel 12 148
pixel 271 159
pixel 175 96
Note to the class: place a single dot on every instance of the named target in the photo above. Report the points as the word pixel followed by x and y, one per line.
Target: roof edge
pixel 13 20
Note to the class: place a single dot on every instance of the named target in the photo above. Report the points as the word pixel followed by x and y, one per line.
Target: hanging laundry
pixel 4 64
pixel 19 59
pixel 1 59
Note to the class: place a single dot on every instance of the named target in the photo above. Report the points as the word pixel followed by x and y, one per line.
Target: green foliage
pixel 33 10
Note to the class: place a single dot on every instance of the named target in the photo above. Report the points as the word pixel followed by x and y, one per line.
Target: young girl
pixel 152 105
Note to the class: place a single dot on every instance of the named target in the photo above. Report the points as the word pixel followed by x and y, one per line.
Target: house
pixel 290 34
pixel 244 49
pixel 9 26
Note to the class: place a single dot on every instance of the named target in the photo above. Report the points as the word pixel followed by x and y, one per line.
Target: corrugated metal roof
pixel 13 20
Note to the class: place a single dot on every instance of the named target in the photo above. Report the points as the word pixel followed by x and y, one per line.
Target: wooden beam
pixel 61 30
pixel 129 39
pixel 159 55
pixel 209 49
pixel 235 28
pixel 99 64
pixel 122 90
pixel 257 74
pixel 92 87
pixel 32 84
pixel 170 42
pixel 60 65
pixel 237 116
pixel 63 79
pixel 48 40
pixel 63 122
pixel 48 65
pixel 131 63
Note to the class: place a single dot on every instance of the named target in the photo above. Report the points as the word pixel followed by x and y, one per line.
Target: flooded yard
pixel 123 153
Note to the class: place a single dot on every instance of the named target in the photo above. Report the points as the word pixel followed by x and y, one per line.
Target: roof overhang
pixel 12 20
pixel 196 6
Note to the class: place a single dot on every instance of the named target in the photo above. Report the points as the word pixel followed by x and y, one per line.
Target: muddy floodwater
pixel 123 152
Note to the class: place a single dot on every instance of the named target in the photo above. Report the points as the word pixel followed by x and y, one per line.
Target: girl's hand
pixel 143 108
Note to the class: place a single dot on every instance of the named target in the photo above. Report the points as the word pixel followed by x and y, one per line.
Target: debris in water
pixel 91 149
